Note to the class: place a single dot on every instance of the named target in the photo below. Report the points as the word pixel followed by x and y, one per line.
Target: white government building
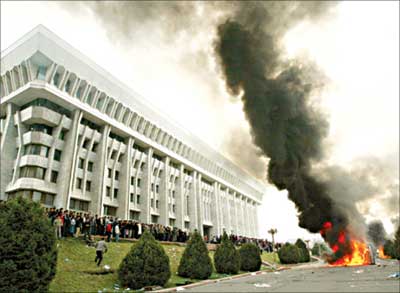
pixel 73 136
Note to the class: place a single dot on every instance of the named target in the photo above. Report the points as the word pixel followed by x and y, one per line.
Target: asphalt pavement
pixel 314 278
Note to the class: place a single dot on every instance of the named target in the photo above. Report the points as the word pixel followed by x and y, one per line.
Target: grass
pixel 271 257
pixel 75 266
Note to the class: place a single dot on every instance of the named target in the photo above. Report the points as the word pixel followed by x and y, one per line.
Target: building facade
pixel 73 136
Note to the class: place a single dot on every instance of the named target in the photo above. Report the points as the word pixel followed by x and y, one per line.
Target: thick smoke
pixel 377 233
pixel 277 101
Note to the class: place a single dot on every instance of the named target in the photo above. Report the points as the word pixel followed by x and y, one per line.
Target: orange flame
pixel 359 255
pixel 382 253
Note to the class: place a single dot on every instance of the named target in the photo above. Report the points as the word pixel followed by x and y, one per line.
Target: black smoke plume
pixel 277 101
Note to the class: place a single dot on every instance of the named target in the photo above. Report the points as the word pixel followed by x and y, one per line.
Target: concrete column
pixel 256 220
pixel 193 204
pixel 200 205
pixel 228 219
pixel 236 213
pixel 67 166
pixel 145 214
pixel 8 151
pixel 125 181
pixel 164 193
pixel 180 199
pixel 215 210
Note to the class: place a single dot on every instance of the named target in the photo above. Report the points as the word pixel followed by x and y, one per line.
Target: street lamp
pixel 273 232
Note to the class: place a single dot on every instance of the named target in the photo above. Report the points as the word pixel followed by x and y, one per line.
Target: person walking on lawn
pixel 101 248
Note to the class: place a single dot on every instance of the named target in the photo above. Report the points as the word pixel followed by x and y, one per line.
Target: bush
pixel 289 254
pixel 146 264
pixel 195 262
pixel 250 259
pixel 304 253
pixel 388 248
pixel 28 250
pixel 226 257
pixel 396 244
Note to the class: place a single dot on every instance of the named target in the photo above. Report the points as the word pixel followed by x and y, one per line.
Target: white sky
pixel 358 49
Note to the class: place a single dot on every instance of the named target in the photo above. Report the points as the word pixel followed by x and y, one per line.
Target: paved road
pixel 315 279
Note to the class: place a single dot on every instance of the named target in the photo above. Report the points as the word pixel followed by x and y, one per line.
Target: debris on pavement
pixel 262 285
pixel 180 289
pixel 395 275
pixel 359 271
pixel 106 267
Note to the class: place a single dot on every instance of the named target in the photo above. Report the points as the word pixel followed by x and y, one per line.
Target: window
pixel 113 155
pixel 86 144
pixel 138 198
pixel 88 185
pixel 133 215
pixel 115 192
pixel 154 219
pixel 142 166
pixel 45 151
pixel 67 85
pixel 62 135
pixel 78 183
pixel 108 191
pixel 136 164
pixel 110 211
pixel 116 175
pixel 132 197
pixel 95 146
pixel 109 173
pixel 152 187
pixel 57 155
pixel 138 182
pixel 41 128
pixel 32 172
pixel 132 180
pixel 80 205
pixel 152 203
pixel 173 208
pixel 187 225
pixel 157 188
pixel 80 164
pixel 54 175
pixel 172 222
pixel 173 193
pixel 159 174
pixel 157 204
pixel 41 73
pixel 120 158
pixel 90 166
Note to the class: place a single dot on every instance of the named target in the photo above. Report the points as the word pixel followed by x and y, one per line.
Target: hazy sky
pixel 357 47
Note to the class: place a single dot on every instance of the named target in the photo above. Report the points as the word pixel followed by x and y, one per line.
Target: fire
pixel 355 252
pixel 382 253
pixel 359 255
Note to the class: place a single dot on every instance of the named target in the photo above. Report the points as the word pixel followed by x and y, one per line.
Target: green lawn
pixel 75 266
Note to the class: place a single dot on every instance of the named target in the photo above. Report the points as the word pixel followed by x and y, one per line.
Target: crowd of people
pixel 74 224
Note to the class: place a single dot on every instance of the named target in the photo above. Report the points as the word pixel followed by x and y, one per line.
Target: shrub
pixel 195 262
pixel 250 259
pixel 304 253
pixel 146 264
pixel 289 254
pixel 226 257
pixel 28 250
pixel 388 248
pixel 396 244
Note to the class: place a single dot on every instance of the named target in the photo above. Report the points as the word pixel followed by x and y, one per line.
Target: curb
pixel 206 282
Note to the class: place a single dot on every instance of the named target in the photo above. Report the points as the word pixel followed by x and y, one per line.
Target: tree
pixel 396 244
pixel 250 259
pixel 146 264
pixel 226 257
pixel 273 232
pixel 28 250
pixel 304 253
pixel 388 248
pixel 195 262
pixel 289 254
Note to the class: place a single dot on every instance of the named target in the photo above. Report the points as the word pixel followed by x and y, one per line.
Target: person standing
pixel 58 224
pixel 117 232
pixel 101 248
